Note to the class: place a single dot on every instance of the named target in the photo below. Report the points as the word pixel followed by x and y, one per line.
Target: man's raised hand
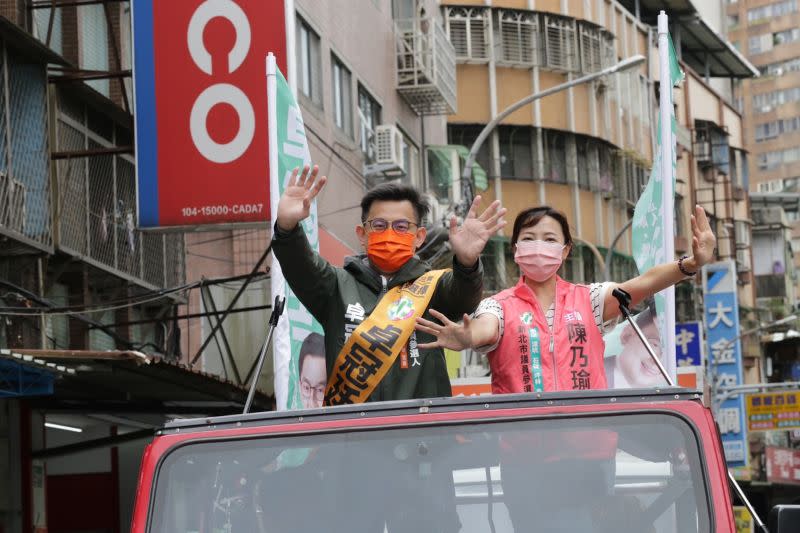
pixel 469 239
pixel 295 202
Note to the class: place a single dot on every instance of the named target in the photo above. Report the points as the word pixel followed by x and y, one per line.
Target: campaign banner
pixel 298 352
pixel 628 364
pixel 721 306
pixel 773 411
pixel 201 109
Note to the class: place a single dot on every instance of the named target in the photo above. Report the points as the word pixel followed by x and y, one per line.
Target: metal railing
pixel 426 66
pixel 25 187
pixel 96 205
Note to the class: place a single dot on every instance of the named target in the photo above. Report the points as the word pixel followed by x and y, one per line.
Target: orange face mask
pixel 389 250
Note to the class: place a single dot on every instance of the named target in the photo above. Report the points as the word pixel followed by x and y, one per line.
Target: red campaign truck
pixel 601 461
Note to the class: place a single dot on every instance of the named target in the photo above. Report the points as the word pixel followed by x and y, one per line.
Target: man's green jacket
pixel 340 298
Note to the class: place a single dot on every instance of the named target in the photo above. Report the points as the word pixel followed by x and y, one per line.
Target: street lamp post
pixel 473 152
pixel 610 252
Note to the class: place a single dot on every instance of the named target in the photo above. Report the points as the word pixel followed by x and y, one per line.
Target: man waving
pixel 368 308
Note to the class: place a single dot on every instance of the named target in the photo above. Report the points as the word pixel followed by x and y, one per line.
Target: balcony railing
pixel 25 188
pixel 426 66
pixel 97 203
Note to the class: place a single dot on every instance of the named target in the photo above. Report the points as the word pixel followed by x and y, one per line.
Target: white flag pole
pixel 272 125
pixel 668 195
pixel 280 354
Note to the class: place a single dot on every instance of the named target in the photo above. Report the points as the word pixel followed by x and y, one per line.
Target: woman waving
pixel 545 334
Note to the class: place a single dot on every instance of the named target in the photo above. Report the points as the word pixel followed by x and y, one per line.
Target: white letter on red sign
pixel 227 9
pixel 222 93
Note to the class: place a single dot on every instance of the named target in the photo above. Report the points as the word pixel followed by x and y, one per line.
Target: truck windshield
pixel 621 473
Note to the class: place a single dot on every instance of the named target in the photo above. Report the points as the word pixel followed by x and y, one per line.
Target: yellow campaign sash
pixel 374 345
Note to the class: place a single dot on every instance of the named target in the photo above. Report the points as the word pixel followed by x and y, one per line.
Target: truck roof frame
pixel 439 405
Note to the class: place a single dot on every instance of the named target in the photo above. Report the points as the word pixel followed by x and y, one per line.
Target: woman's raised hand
pixel 703 240
pixel 451 335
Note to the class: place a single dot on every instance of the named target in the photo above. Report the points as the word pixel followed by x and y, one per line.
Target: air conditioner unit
pixel 389 146
pixel 765 109
pixel 388 152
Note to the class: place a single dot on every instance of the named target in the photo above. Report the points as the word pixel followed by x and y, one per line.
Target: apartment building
pixel 588 150
pixel 767 33
pixel 69 245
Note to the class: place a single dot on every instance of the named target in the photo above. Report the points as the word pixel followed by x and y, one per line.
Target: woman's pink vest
pixel 571 358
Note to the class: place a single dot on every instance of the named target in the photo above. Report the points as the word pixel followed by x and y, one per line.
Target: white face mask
pixel 539 260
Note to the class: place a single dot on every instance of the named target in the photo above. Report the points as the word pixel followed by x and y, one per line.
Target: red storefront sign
pixel 201 108
pixel 783 465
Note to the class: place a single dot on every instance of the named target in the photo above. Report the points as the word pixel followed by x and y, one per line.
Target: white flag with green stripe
pixel 288 149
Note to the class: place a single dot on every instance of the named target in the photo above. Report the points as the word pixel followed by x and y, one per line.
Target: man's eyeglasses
pixel 307 390
pixel 379 225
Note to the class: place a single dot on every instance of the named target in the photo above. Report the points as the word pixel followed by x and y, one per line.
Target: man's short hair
pixel 394 192
pixel 313 345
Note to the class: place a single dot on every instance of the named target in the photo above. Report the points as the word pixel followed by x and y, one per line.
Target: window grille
pixel 555 146
pixel 97 203
pixel 582 145
pixel 468 32
pixel 591 49
pixel 519 37
pixel 516 156
pixel 561 44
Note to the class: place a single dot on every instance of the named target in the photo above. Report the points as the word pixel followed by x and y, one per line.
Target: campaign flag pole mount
pixel 288 149
pixel 653 227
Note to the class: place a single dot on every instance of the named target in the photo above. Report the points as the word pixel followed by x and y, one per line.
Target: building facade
pixel 767 33
pixel 370 101
pixel 71 252
pixel 587 151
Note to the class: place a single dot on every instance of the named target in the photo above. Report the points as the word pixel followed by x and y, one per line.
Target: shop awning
pixel 650 8
pixel 20 381
pixel 697 43
pixel 127 381
pixel 708 52
pixel 781 336
pixel 442 171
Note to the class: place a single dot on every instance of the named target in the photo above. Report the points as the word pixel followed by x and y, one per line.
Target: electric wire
pixel 133 297
pixel 133 302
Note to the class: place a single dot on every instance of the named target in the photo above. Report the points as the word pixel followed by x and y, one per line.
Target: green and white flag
pixel 288 149
pixel 653 226
pixel 628 364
